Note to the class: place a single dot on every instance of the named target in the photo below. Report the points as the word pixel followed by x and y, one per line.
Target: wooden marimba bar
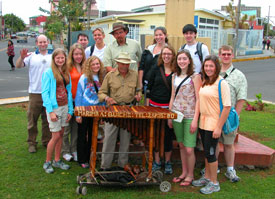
pixel 144 122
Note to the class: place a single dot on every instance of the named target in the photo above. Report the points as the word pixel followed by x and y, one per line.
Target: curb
pixel 26 99
pixel 14 100
pixel 253 58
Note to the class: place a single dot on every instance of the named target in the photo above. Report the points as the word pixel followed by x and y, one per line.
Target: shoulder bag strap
pixel 225 76
pixel 220 96
pixel 178 88
pixel 64 81
pixel 96 89
pixel 164 78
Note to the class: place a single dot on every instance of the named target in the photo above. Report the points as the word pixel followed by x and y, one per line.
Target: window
pixel 210 21
pixel 152 27
pixel 202 20
pixel 133 31
pixel 217 22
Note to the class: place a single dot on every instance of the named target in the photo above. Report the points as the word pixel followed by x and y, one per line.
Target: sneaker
pixel 203 171
pixel 168 168
pixel 200 182
pixel 232 176
pixel 210 188
pixel 75 156
pixel 60 164
pixel 85 165
pixel 32 149
pixel 68 157
pixel 47 166
pixel 156 166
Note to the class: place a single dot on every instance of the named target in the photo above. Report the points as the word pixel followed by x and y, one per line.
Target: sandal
pixel 178 179
pixel 186 183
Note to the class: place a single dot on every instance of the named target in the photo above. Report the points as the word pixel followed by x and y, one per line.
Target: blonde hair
pixel 71 62
pixel 99 29
pixel 64 70
pixel 88 71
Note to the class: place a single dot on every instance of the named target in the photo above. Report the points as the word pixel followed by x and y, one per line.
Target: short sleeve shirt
pixel 237 83
pixel 209 104
pixel 37 64
pixel 121 89
pixel 113 50
pixel 195 56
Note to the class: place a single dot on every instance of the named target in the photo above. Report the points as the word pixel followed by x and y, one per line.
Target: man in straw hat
pixel 120 87
pixel 121 44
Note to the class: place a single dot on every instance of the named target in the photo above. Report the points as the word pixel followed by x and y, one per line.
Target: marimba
pixel 144 122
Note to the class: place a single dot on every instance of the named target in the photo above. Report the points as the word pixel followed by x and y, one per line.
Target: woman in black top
pixel 150 56
pixel 159 96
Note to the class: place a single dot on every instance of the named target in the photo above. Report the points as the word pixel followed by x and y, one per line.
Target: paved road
pixel 260 75
pixel 13 83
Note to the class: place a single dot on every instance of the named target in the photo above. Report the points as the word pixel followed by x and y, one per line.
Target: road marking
pixel 23 46
pixel 3 49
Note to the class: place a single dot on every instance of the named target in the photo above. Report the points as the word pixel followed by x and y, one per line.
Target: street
pixel 259 74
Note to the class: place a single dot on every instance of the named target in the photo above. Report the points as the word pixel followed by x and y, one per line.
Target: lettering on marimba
pixel 138 112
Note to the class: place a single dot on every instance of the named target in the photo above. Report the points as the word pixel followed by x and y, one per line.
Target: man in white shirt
pixel 37 62
pixel 197 50
pixel 99 46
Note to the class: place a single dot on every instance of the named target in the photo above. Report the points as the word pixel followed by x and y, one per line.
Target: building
pixel 37 20
pixel 249 10
pixel 93 13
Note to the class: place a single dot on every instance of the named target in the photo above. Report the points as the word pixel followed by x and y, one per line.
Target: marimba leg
pixel 94 147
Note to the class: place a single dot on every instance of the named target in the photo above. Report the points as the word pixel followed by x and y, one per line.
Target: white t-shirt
pixel 37 64
pixel 97 52
pixel 196 59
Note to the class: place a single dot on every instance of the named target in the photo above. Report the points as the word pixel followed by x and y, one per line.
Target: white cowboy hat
pixel 124 58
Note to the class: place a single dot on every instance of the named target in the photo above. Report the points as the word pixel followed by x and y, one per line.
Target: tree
pixel 14 23
pixel 232 11
pixel 67 12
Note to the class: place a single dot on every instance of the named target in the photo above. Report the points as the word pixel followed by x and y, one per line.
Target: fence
pixel 249 41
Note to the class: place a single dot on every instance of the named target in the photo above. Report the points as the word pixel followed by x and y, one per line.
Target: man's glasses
pixel 226 54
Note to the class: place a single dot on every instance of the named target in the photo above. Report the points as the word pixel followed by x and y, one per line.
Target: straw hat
pixel 124 58
pixel 119 25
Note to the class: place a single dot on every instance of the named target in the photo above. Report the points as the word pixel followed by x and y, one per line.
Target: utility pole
pixel 1 20
pixel 267 25
pixel 88 5
pixel 69 30
pixel 237 27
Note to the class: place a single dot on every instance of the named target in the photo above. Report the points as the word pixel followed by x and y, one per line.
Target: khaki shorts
pixel 229 138
pixel 62 113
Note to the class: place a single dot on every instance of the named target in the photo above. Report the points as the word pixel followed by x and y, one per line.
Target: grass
pixel 22 175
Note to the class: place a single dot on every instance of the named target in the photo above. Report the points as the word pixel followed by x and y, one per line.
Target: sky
pixel 28 8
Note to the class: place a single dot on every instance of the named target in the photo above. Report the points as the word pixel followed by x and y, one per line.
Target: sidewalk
pixel 268 54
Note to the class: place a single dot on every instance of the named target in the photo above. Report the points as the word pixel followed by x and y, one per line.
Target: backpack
pixel 92 49
pixel 232 122
pixel 199 50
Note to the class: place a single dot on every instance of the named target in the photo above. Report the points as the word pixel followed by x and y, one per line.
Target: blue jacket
pixel 49 92
pixel 86 94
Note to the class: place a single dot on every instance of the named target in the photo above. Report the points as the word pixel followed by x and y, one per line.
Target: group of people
pixel 185 82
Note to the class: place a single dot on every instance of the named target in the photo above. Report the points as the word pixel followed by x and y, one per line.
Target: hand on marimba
pixel 110 101
pixel 138 97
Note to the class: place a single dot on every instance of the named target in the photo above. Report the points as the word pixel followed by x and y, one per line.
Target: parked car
pixel 33 34
pixel 22 37
pixel 13 36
